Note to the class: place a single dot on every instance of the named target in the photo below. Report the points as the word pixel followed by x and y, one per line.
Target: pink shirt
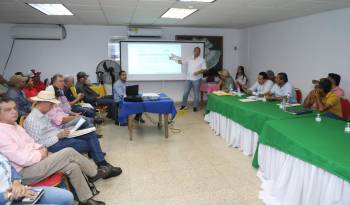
pixel 56 115
pixel 18 147
pixel 338 91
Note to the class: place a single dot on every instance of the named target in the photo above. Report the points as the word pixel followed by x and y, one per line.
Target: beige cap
pixel 14 80
pixel 45 96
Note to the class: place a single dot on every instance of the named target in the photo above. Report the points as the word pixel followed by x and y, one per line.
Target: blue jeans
pixel 188 85
pixel 87 143
pixel 88 112
pixel 57 196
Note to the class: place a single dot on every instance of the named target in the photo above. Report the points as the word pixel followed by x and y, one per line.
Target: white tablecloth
pixel 234 134
pixel 286 180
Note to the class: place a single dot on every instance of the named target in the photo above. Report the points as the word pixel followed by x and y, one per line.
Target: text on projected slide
pixel 146 58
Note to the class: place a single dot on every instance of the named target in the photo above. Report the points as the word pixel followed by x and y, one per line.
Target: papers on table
pixel 290 104
pixel 78 125
pixel 248 100
pixel 221 93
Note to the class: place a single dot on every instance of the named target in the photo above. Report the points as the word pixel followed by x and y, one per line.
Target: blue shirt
pixel 119 88
pixel 286 90
pixel 23 105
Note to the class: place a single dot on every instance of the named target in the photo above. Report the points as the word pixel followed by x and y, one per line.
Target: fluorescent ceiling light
pixel 52 9
pixel 205 1
pixel 178 13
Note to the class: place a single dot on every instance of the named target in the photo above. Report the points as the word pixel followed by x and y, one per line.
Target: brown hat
pixel 14 80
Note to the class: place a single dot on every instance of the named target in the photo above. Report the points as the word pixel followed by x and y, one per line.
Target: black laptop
pixel 132 94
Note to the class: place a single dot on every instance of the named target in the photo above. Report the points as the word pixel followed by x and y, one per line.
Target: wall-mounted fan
pixel 107 71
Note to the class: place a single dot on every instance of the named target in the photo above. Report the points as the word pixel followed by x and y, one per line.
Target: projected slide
pixel 147 58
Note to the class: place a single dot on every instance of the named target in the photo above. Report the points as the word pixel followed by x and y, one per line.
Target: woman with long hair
pixel 241 78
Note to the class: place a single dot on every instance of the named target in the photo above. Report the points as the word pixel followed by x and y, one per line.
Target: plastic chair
pixel 54 181
pixel 345 106
pixel 298 95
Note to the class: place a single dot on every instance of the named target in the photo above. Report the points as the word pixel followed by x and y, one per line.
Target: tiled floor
pixel 191 167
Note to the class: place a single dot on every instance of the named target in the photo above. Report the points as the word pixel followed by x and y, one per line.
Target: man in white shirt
pixel 261 87
pixel 282 89
pixel 195 67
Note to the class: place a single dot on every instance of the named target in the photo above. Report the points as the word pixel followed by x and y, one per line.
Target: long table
pixel 300 161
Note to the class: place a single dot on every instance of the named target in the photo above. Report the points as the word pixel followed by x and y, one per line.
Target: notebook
pixel 299 111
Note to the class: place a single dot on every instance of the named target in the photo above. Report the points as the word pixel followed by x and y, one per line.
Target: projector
pixel 150 96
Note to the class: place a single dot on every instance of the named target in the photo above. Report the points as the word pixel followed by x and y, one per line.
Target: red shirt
pixel 39 86
pixel 30 92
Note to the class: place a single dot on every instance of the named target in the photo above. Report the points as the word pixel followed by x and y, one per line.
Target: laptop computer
pixel 132 90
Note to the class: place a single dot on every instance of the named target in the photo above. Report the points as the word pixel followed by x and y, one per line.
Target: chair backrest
pixel 298 95
pixel 345 106
pixel 21 121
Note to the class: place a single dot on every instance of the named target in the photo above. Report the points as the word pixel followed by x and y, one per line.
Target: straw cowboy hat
pixel 45 96
pixel 224 72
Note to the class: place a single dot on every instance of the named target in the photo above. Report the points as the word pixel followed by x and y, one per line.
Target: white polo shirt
pixel 193 65
pixel 262 89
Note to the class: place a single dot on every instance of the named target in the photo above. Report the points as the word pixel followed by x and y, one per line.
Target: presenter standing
pixel 195 68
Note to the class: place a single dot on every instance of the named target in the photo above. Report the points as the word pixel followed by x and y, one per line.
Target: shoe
pixel 98 121
pixel 102 172
pixel 116 171
pixel 92 202
pixel 140 120
pixel 194 109
pixel 183 107
pixel 99 136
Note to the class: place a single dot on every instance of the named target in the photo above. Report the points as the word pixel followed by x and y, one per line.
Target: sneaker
pixel 140 120
pixel 183 107
pixel 194 109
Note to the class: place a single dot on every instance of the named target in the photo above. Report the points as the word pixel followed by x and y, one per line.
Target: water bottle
pixel 347 128
pixel 318 118
pixel 239 91
pixel 283 104
pixel 230 88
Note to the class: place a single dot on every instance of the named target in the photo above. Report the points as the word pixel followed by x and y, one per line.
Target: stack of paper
pixel 221 93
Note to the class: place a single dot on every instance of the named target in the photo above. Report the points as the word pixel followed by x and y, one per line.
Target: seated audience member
pixel 33 163
pixel 119 89
pixel 37 83
pixel 29 90
pixel 271 75
pixel 226 81
pixel 323 99
pixel 335 79
pixel 262 86
pixel 90 96
pixel 282 89
pixel 241 78
pixel 61 115
pixel 15 92
pixel 74 101
pixel 11 188
pixel 3 86
pixel 39 127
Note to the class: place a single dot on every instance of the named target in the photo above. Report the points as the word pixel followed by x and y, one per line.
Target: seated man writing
pixel 11 188
pixel 323 99
pixel 33 162
pixel 261 87
pixel 282 89
pixel 38 125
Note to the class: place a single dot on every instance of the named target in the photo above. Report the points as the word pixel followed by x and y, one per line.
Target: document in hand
pixel 78 125
pixel 28 200
pixel 86 105
pixel 78 133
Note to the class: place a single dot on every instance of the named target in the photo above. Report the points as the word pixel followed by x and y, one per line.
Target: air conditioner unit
pixel 135 32
pixel 38 32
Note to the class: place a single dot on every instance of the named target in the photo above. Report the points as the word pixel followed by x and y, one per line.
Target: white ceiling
pixel 221 13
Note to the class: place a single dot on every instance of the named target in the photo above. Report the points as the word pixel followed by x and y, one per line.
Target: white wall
pixel 86 46
pixel 305 48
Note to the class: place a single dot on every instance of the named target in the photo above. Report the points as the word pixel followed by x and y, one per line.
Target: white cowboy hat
pixel 45 96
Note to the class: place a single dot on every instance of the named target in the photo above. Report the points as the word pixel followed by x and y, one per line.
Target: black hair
pixel 243 72
pixel 283 76
pixel 325 84
pixel 19 73
pixel 121 72
pixel 6 100
pixel 335 77
pixel 264 75
pixel 197 48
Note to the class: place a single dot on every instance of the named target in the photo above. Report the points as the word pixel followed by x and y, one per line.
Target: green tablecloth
pixel 324 144
pixel 251 115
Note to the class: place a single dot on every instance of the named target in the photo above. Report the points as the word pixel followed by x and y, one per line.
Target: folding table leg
pixel 166 127
pixel 130 121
